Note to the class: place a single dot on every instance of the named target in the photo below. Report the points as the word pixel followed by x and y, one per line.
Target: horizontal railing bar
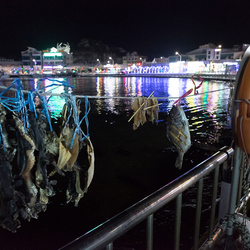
pixel 121 223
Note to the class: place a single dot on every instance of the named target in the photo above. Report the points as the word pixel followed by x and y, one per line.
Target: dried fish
pixel 26 188
pixel 178 133
pixel 153 110
pixel 140 114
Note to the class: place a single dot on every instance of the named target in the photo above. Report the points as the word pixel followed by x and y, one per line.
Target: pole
pixel 234 188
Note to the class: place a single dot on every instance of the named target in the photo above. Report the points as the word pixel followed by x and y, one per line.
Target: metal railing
pixel 106 233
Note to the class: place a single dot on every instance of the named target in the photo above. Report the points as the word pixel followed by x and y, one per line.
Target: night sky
pixel 152 28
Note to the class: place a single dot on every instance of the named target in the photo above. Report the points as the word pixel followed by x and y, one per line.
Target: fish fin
pixel 185 123
pixel 179 160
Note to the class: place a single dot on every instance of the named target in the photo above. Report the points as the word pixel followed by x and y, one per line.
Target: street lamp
pixel 178 55
pixel 34 63
pixel 112 60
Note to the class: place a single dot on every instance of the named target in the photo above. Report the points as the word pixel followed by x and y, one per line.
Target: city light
pixel 177 53
pixel 110 58
pixel 52 54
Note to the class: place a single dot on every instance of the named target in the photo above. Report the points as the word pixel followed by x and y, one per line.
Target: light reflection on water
pixel 55 103
pixel 206 111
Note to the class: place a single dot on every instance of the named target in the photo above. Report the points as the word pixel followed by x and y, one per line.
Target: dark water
pixel 129 164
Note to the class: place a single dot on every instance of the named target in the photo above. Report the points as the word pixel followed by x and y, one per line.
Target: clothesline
pixel 120 97
pixel 134 97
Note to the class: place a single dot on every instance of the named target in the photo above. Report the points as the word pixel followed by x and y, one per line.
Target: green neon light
pixel 52 54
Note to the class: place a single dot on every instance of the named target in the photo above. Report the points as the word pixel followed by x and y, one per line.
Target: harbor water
pixel 129 164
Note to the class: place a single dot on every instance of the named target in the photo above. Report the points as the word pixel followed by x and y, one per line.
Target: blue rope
pixel 67 118
pixel 31 103
pixel 21 105
pixel 85 117
pixel 2 138
pixel 39 91
pixel 18 104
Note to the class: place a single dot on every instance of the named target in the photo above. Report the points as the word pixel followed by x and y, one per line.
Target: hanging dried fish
pixel 81 176
pixel 91 159
pixel 152 109
pixel 27 192
pixel 140 114
pixel 178 133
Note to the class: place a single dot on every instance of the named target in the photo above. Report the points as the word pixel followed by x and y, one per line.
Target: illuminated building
pixel 59 56
pixel 133 58
pixel 10 65
pixel 54 58
pixel 161 61
pixel 31 57
pixel 210 52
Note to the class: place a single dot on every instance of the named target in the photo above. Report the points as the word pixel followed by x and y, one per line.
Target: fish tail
pixel 179 160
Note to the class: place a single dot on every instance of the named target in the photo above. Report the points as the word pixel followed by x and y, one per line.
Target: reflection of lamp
pixel 178 55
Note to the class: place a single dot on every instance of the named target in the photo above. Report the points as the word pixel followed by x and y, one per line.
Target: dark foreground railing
pixel 106 233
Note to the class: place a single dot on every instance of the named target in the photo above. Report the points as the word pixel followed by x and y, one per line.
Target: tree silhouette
pixel 89 50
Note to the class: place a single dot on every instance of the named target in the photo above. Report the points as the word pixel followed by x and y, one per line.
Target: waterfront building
pixel 34 61
pixel 8 66
pixel 160 61
pixel 133 58
pixel 210 52
pixel 178 58
pixel 31 57
pixel 55 59
pixel 208 58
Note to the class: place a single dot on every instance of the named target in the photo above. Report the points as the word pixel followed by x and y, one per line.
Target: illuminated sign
pixel 52 54
pixel 53 49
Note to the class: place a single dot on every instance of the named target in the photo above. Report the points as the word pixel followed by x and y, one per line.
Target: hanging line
pixel 123 97
pixel 178 101
pixel 134 97
pixel 196 87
